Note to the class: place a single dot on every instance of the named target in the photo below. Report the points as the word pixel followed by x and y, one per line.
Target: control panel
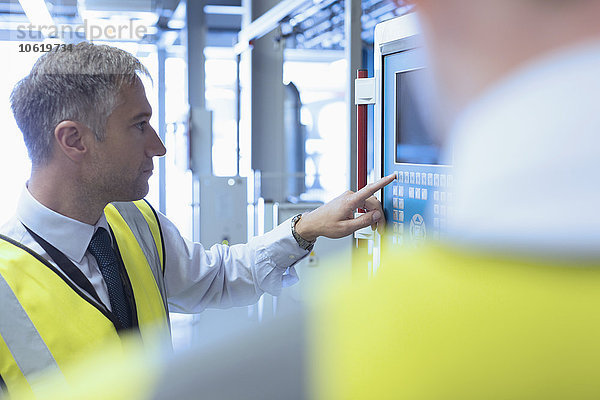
pixel 418 203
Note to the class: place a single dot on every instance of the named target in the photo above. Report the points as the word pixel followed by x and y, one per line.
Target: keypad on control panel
pixel 421 186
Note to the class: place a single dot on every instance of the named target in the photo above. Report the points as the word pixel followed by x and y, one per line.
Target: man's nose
pixel 156 146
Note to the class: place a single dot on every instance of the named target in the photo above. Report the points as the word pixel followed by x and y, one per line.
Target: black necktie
pixel 100 247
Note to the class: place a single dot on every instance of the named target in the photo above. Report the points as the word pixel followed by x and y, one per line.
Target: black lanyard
pixel 66 266
pixel 75 274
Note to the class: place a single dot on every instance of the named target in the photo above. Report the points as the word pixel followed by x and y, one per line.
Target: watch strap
pixel 303 243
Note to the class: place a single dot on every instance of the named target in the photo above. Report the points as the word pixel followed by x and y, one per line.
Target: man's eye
pixel 141 125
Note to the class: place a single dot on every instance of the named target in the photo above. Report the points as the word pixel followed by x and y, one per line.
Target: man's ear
pixel 72 139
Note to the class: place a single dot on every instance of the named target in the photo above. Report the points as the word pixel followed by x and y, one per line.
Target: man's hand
pixel 336 218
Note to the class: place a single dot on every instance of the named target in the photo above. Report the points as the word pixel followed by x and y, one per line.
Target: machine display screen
pixel 414 142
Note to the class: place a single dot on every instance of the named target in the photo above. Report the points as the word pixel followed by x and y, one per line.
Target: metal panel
pixel 403 44
pixel 267 108
pixel 223 210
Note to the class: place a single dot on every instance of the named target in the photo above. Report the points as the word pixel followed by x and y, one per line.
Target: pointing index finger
pixel 371 188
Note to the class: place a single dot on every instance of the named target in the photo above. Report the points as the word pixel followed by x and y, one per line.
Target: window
pixel 322 86
pixel 221 100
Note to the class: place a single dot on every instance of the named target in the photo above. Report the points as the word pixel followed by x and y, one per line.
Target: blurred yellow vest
pixel 442 324
pixel 70 328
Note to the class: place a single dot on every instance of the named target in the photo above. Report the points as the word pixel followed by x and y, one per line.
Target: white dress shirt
pixel 195 278
pixel 527 156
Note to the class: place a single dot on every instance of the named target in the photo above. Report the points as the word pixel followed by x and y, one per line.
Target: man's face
pixel 121 164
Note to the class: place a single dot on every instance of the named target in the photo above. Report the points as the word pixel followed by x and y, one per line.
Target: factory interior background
pixel 210 60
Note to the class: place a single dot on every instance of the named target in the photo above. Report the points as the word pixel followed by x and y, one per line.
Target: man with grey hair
pixel 86 258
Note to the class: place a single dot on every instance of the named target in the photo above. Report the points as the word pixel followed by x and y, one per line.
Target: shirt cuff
pixel 277 252
pixel 281 247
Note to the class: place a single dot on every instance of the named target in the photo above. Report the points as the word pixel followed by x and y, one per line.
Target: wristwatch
pixel 303 243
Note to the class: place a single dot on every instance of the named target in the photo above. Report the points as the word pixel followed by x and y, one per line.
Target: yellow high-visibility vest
pixel 437 323
pixel 46 322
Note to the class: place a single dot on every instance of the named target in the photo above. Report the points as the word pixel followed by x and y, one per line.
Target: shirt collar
pixel 69 236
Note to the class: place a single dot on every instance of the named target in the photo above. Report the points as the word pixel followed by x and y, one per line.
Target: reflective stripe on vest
pixel 46 321
pixel 140 227
pixel 20 336
pixel 136 241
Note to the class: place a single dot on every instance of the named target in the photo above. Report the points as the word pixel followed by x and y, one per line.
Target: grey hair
pixel 81 84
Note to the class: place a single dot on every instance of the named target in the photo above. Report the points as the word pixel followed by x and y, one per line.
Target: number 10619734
pixel 44 47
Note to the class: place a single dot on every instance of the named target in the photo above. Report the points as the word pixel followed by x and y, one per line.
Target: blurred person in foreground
pixel 86 260
pixel 507 305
